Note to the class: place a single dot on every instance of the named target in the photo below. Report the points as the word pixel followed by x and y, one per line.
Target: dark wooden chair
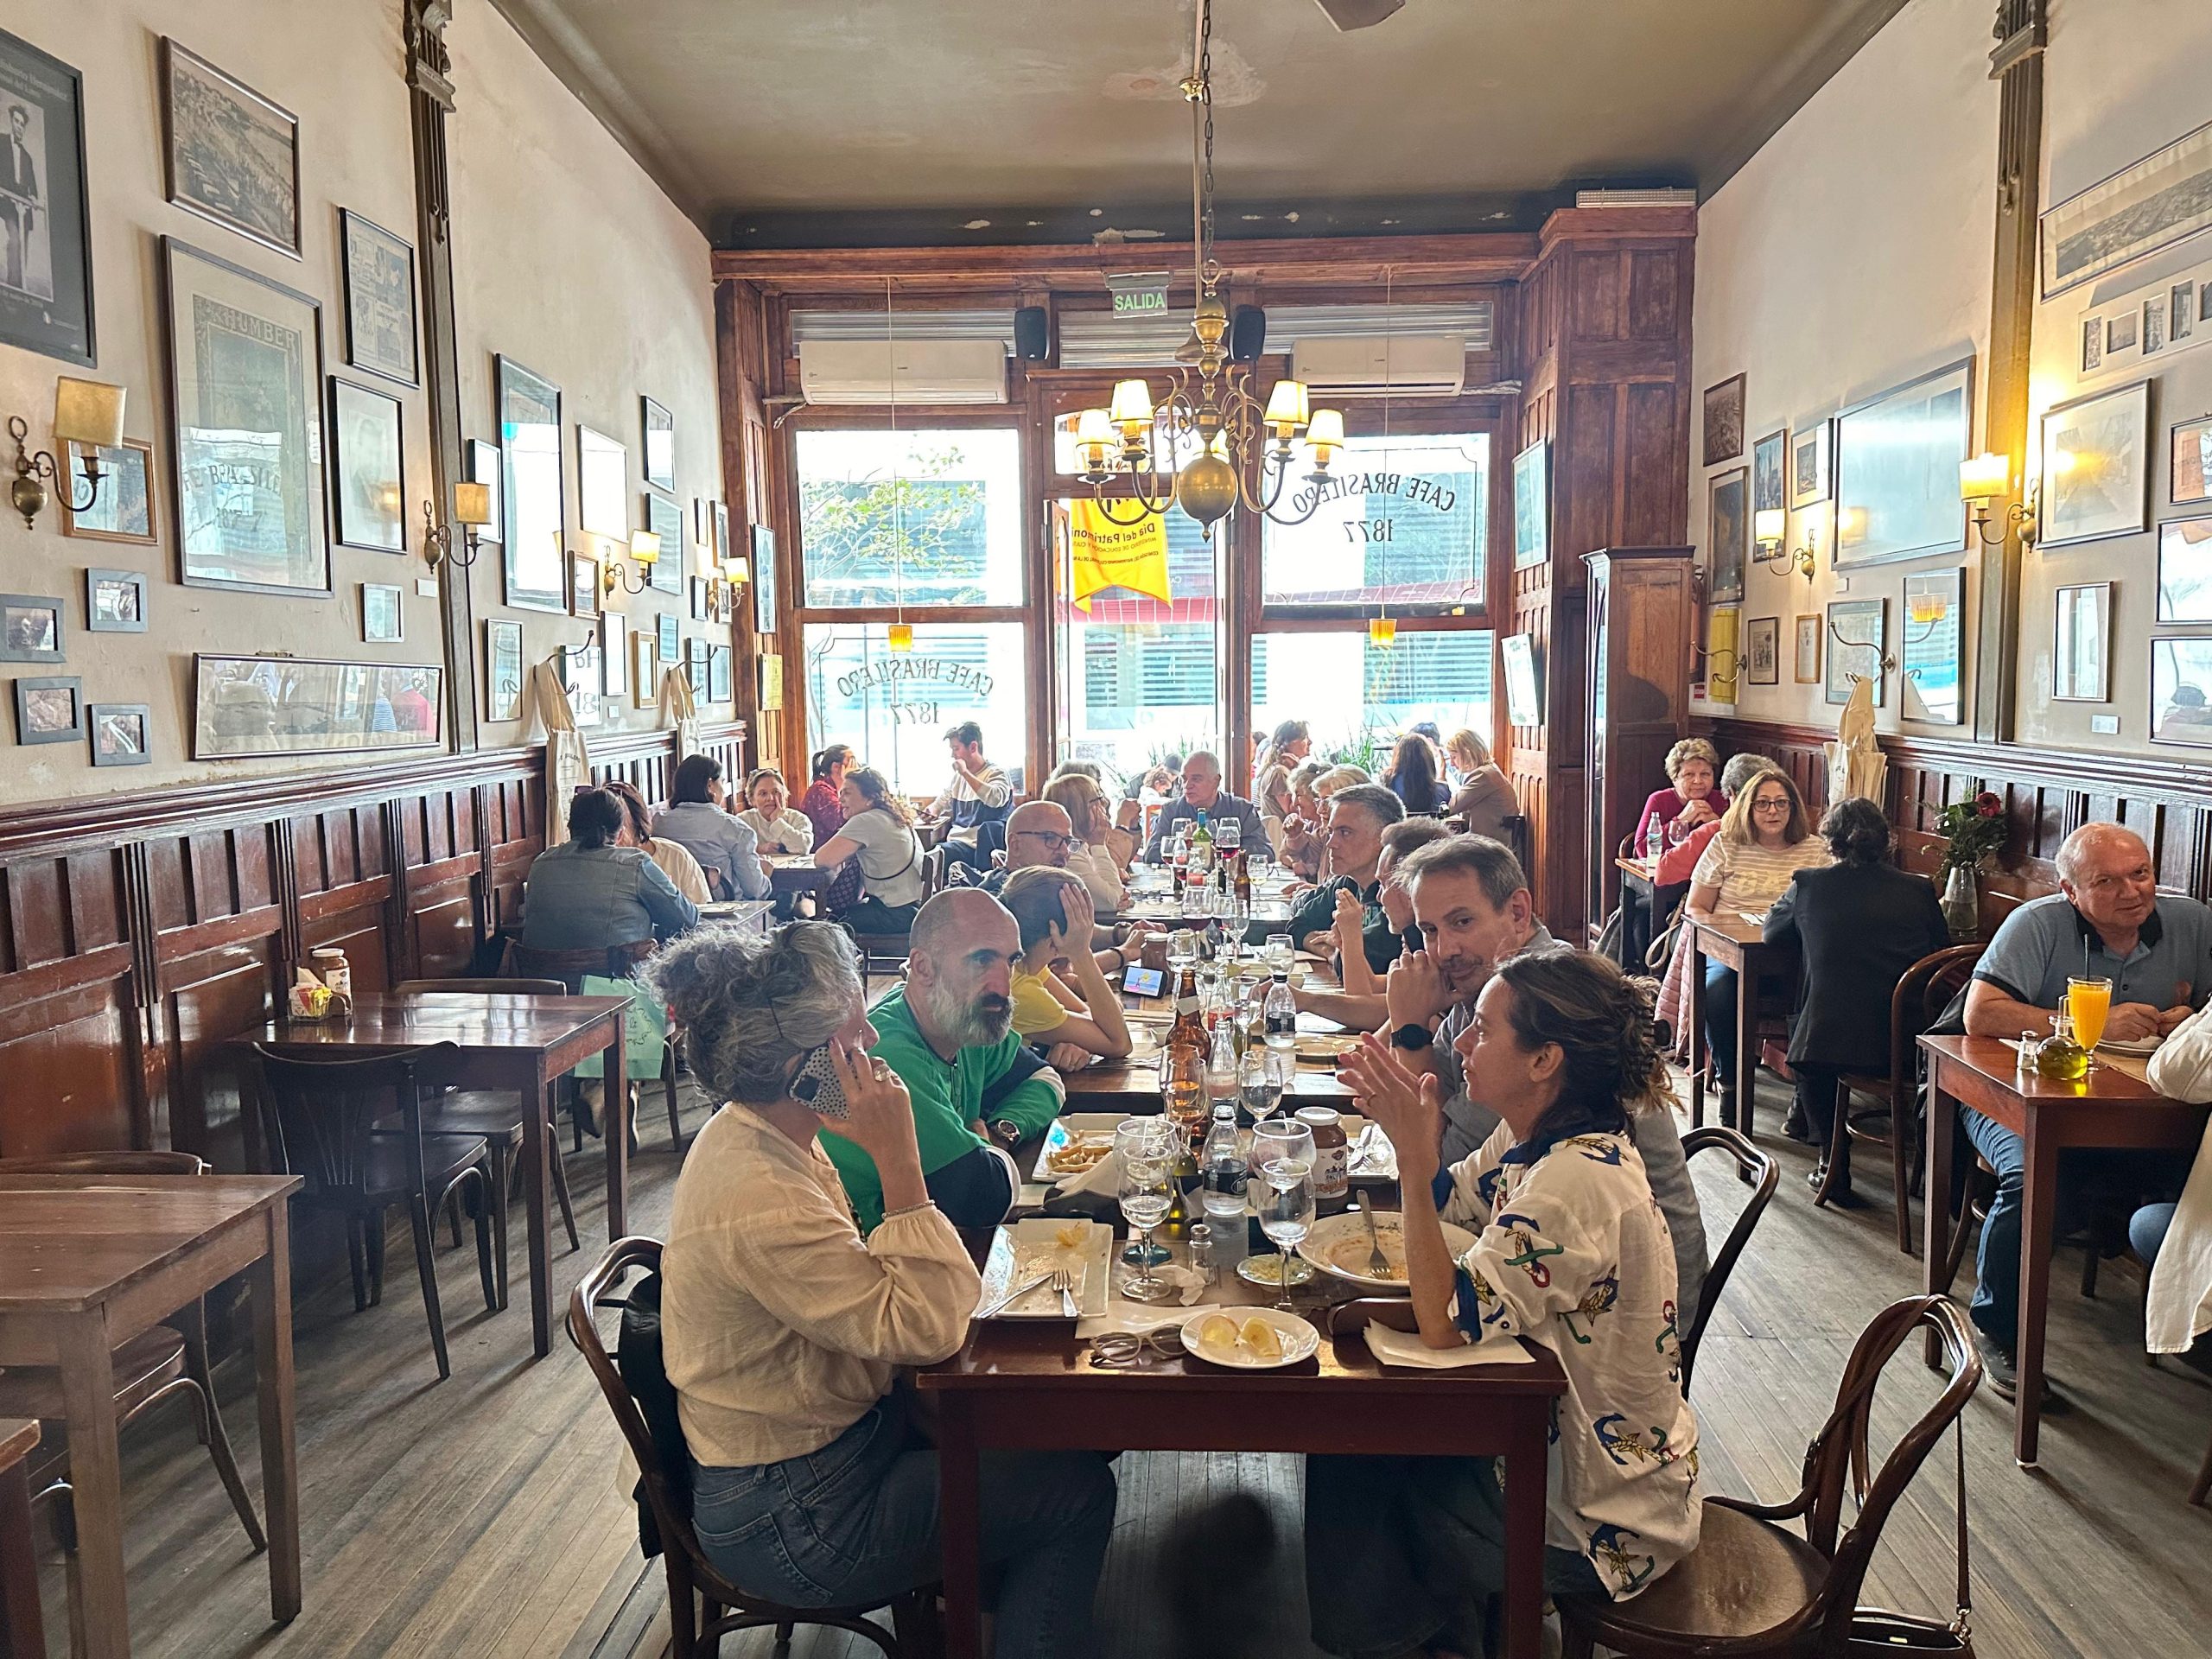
pixel 616 962
pixel 1753 1589
pixel 319 1120
pixel 1893 1122
pixel 886 953
pixel 703 1606
pixel 1762 1175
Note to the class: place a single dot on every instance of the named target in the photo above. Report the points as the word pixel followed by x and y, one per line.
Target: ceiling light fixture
pixel 1209 409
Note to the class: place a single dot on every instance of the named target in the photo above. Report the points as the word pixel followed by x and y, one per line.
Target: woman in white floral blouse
pixel 1406 1555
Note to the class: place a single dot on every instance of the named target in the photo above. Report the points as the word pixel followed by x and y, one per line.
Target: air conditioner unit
pixel 1404 365
pixel 923 370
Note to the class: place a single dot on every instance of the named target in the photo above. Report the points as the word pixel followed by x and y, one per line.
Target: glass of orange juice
pixel 2088 1001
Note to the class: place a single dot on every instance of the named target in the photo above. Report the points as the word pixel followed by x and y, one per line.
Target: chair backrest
pixel 664 1496
pixel 1925 990
pixel 569 967
pixel 933 867
pixel 121 1162
pixel 1763 1174
pixel 316 1114
pixel 482 987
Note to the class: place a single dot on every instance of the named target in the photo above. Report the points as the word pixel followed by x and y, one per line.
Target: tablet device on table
pixel 1140 981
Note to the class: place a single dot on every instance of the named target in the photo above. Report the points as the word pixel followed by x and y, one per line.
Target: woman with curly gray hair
pixel 783 1329
pixel 1692 796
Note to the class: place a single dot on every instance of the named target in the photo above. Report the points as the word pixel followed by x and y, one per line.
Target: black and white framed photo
pixel 2120 332
pixel 31 629
pixel 583 585
pixel 49 709
pixel 1727 533
pixel 120 737
pixel 2181 692
pixel 602 485
pixel 502 670
pixel 669 641
pixel 1897 470
pixel 718 674
pixel 1933 647
pixel 483 468
pixel 665 520
pixel 1724 421
pixel 2143 207
pixel 369 497
pixel 2190 479
pixel 1809 450
pixel 123 507
pixel 2080 657
pixel 1532 505
pixel 245 399
pixel 1859 631
pixel 382 622
pixel 2096 467
pixel 115 602
pixel 45 240
pixel 535 552
pixel 2154 326
pixel 2185 570
pixel 723 550
pixel 764 580
pixel 231 155
pixel 645 670
pixel 2092 344
pixel 380 332
pixel 660 443
pixel 1769 469
pixel 613 654
pixel 2181 321
pixel 1806 668
pixel 1763 651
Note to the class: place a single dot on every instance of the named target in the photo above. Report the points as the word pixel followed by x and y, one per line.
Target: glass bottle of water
pixel 1280 1012
pixel 1223 1167
pixel 1221 1069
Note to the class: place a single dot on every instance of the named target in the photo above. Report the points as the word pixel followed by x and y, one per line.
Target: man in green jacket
pixel 949 1034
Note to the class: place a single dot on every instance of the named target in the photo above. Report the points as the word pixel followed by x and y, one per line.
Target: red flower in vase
pixel 1987 805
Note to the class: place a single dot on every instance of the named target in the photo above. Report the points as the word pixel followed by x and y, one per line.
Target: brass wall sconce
pixel 85 411
pixel 1770 530
pixel 1988 478
pixel 1884 663
pixel 472 511
pixel 644 553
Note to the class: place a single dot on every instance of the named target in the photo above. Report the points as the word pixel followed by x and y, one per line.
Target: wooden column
pixel 2016 67
pixel 740 344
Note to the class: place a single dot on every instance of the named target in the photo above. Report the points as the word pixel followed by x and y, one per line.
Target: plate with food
pixel 1319 1050
pixel 1338 1245
pixel 1250 1338
pixel 1074 1144
pixel 1031 1248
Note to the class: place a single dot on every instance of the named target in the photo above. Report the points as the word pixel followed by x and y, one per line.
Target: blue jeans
pixel 2146 1229
pixel 1401 1551
pixel 1720 990
pixel 856 1523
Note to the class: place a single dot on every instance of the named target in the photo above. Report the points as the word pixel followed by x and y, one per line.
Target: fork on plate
pixel 1064 1282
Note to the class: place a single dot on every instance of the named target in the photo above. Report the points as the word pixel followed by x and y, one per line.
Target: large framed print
pixel 2190 477
pixel 534 508
pixel 245 399
pixel 2081 659
pixel 2141 208
pixel 2185 570
pixel 368 477
pixel 2181 692
pixel 660 428
pixel 1933 635
pixel 665 520
pixel 1858 646
pixel 602 485
pixel 232 155
pixel 379 299
pixel 2096 467
pixel 1531 504
pixel 122 506
pixel 248 705
pixel 1728 532
pixel 1897 470
pixel 46 237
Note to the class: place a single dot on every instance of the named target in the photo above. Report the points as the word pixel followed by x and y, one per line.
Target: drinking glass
pixel 1147 1148
pixel 1228 835
pixel 1281 951
pixel 2090 1001
pixel 1285 1207
pixel 1278 1141
pixel 1183 1090
pixel 1258 1086
pixel 1182 952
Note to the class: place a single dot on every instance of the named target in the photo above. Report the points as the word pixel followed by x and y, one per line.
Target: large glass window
pixel 894 706
pixel 924 518
pixel 1359 696
pixel 1400 519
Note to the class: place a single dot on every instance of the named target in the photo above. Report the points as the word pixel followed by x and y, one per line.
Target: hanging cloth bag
pixel 567 763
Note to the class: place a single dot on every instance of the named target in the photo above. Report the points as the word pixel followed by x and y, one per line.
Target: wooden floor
pixel 485 1515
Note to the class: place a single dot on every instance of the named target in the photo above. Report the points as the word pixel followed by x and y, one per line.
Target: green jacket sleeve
pixel 941 1133
pixel 1317 911
pixel 1031 1102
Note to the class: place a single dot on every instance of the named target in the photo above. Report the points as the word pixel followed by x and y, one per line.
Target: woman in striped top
pixel 1764 840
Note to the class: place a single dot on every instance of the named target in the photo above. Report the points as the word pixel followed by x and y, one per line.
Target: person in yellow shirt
pixel 1074 1022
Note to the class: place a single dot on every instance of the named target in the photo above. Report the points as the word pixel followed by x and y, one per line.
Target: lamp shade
pixel 901 636
pixel 1985 477
pixel 1093 426
pixel 1132 404
pixel 86 411
pixel 472 504
pixel 1286 404
pixel 1770 524
pixel 645 546
pixel 1382 631
pixel 1326 429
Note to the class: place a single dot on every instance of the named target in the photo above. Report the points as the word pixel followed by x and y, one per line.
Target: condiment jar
pixel 329 965
pixel 1331 1151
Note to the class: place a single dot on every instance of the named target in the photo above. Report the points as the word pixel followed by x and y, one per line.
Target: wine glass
pixel 1282 1140
pixel 1183 1089
pixel 1147 1149
pixel 1182 952
pixel 1228 835
pixel 1258 1085
pixel 1285 1207
pixel 1281 952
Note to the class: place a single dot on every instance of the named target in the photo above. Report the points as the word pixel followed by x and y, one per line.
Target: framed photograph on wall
pixel 483 468
pixel 2143 207
pixel 670 641
pixel 1532 505
pixel 1524 701
pixel 603 485
pixel 583 585
pixel 1724 421
pixel 2190 479
pixel 613 654
pixel 665 520
pixel 2120 332
pixel 718 674
pixel 1728 532
pixel 1806 663
pixel 2181 692
pixel 49 709
pixel 382 621
pixel 2080 657
pixel 232 155
pixel 723 550
pixel 2092 344
pixel 45 266
pixel 379 299
pixel 502 670
pixel 535 554
pixel 660 443
pixel 2182 299
pixel 1897 470
pixel 120 737
pixel 1858 642
pixel 1929 684
pixel 2185 570
pixel 115 602
pixel 123 509
pixel 31 629
pixel 245 399
pixel 369 500
pixel 2154 326
pixel 1770 469
pixel 246 707
pixel 1809 449
pixel 764 580
pixel 645 670
pixel 2096 467
pixel 1763 651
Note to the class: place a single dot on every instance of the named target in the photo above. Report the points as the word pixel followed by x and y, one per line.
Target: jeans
pixel 2146 1229
pixel 1402 1551
pixel 1720 991
pixel 857 1523
pixel 872 916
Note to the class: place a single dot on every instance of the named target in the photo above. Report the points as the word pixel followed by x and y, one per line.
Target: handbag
pixel 1875 1631
pixel 644 1030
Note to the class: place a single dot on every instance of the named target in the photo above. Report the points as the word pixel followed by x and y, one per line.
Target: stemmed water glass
pixel 1285 1207
pixel 1280 952
pixel 1149 1149
pixel 1259 1082
pixel 1278 1141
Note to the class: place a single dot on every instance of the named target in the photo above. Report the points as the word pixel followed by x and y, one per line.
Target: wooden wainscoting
pixel 139 933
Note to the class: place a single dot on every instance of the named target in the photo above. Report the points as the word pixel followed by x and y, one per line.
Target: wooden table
pixel 797 873
pixel 1030 1387
pixel 1740 945
pixel 22 1626
pixel 2109 1108
pixel 89 1261
pixel 510 1044
pixel 1639 876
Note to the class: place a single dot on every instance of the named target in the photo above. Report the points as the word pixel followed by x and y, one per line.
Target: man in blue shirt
pixel 2108 921
pixel 1202 792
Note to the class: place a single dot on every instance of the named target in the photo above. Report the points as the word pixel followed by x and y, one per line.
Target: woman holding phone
pixel 785 1330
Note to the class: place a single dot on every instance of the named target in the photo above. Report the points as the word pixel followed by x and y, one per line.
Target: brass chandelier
pixel 1209 407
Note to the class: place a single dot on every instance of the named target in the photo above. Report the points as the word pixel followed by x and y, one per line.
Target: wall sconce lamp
pixel 85 411
pixel 722 582
pixel 472 511
pixel 1883 662
pixel 1770 530
pixel 1988 478
pixel 644 553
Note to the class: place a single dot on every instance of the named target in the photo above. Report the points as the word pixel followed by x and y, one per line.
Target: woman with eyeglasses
pixel 1095 853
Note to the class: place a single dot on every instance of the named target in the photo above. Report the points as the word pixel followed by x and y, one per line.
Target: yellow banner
pixel 1106 555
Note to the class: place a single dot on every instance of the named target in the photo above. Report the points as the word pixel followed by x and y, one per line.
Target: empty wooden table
pixel 87 1263
pixel 511 1044
pixel 22 1626
pixel 2111 1107
pixel 1736 941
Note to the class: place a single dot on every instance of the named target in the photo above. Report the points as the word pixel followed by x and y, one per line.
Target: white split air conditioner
pixel 1404 365
pixel 923 371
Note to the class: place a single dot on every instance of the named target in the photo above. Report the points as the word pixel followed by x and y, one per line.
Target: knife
pixel 1012 1296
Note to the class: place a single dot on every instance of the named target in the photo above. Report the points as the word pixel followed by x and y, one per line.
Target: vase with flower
pixel 1972 830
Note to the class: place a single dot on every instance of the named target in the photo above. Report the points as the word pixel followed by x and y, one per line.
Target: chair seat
pixel 1746 1579
pixel 148 1360
pixel 444 1157
pixel 495 1116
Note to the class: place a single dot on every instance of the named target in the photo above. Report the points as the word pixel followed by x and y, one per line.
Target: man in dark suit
pixel 18 193
pixel 1858 924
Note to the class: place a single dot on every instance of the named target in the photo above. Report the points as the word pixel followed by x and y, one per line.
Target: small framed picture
pixel 368 478
pixel 381 623
pixel 502 670
pixel 120 733
pixel 2081 664
pixel 49 710
pixel 30 629
pixel 660 444
pixel 2191 477
pixel 670 633
pixel 115 602
pixel 483 468
pixel 584 584
pixel 1807 670
pixel 1769 489
pixel 1763 651
pixel 614 655
pixel 723 546
pixel 2185 570
pixel 1724 421
pixel 2181 692
pixel 2182 304
pixel 379 270
pixel 2120 332
pixel 123 508
pixel 2092 344
pixel 718 674
pixel 1809 448
pixel 2154 326
pixel 645 670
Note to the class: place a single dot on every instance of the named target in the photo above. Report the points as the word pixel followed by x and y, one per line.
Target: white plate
pixel 1323 1051
pixel 1348 1234
pixel 1097 1126
pixel 2137 1046
pixel 1298 1339
pixel 1026 1249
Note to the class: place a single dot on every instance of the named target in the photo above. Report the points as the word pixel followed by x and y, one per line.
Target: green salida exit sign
pixel 1142 294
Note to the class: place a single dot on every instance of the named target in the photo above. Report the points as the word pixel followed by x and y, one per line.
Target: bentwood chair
pixel 1754 1589
pixel 616 962
pixel 703 1606
pixel 886 953
pixel 1762 1175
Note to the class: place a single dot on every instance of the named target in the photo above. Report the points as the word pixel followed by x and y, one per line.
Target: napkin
pixel 1104 1176
pixel 1373 1155
pixel 1404 1348
pixel 1135 1317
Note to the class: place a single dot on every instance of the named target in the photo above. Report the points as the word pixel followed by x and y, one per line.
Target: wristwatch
pixel 1008 1135
pixel 1412 1036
